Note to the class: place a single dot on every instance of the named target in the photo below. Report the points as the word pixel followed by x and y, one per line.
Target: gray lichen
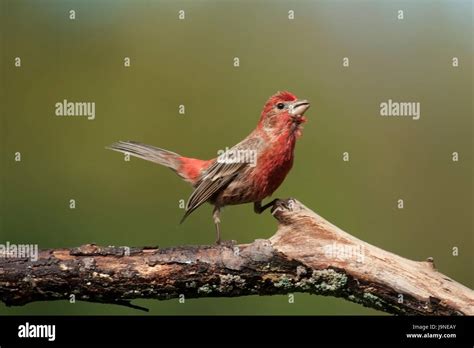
pixel 323 282
pixel 229 281
pixel 368 299
pixel 373 300
pixel 204 289
pixel 284 283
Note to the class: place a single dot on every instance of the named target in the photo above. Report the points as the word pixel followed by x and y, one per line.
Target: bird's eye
pixel 280 106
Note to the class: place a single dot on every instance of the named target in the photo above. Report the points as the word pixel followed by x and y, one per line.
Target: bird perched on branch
pixel 246 173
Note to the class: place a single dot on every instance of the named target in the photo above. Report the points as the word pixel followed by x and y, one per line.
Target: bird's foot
pixel 283 204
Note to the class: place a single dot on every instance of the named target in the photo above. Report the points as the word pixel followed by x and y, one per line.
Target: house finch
pixel 246 173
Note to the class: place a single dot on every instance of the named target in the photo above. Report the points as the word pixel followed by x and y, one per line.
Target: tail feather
pixel 147 152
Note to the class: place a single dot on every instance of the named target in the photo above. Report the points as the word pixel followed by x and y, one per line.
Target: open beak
pixel 298 108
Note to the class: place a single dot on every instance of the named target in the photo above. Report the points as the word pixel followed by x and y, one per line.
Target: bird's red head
pixel 283 112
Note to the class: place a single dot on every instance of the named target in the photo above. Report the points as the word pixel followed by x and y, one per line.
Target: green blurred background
pixel 190 62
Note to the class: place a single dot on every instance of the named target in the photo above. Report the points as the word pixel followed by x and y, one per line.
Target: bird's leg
pixel 257 206
pixel 217 221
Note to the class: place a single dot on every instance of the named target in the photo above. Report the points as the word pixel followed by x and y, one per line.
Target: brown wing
pixel 219 175
pixel 216 177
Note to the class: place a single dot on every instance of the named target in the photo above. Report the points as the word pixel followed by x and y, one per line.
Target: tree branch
pixel 307 254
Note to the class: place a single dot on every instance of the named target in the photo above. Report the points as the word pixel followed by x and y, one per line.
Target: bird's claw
pixel 283 204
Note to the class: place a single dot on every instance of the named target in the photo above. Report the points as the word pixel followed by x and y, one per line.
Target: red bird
pixel 248 172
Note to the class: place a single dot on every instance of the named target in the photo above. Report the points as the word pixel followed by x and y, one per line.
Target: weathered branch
pixel 307 254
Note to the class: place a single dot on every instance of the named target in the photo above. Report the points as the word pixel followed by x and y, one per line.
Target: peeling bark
pixel 301 257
